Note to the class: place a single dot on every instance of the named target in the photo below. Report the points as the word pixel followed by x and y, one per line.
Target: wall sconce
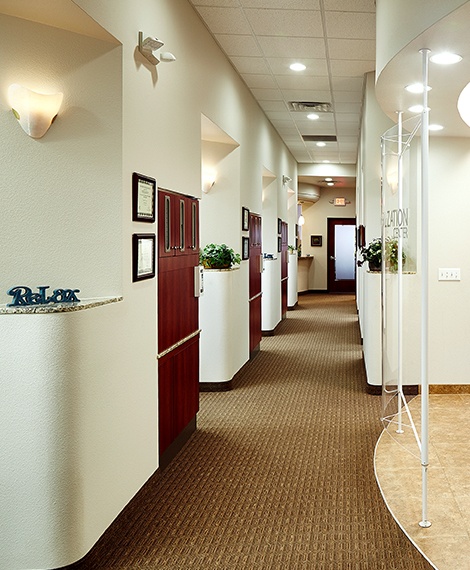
pixel 208 180
pixel 35 111
pixel 301 220
pixel 148 45
pixel 286 179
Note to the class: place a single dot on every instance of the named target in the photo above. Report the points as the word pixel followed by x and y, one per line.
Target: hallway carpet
pixel 279 474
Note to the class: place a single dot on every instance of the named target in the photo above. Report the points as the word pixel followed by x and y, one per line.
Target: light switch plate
pixel 449 274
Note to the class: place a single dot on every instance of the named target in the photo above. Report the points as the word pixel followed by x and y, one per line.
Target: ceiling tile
pixel 303 95
pixel 280 116
pixel 348 107
pixel 272 105
pixel 238 45
pixel 348 97
pixel 259 81
pixel 322 129
pixel 224 20
pixel 347 84
pixel 303 82
pixel 285 4
pixel 351 49
pixel 226 3
pixel 280 66
pixel 351 68
pixel 344 118
pixel 294 23
pixel 347 129
pixel 358 25
pixel 348 6
pixel 250 64
pixel 267 94
pixel 273 46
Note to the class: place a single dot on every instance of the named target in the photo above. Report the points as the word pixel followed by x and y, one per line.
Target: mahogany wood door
pixel 284 277
pixel 341 248
pixel 178 315
pixel 255 262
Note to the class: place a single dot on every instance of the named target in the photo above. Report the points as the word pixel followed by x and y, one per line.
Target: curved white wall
pixel 400 21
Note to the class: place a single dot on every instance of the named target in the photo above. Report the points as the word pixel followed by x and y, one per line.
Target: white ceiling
pixel 335 39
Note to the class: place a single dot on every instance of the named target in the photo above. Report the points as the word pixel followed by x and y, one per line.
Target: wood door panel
pixel 177 306
pixel 186 385
pixel 166 432
pixel 255 323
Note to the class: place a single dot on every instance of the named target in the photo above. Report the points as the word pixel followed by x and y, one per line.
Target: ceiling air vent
pixel 319 138
pixel 310 106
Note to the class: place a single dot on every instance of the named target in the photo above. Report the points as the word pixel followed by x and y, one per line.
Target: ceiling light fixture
pixel 416 88
pixel 463 104
pixel 313 116
pixel 445 58
pixel 321 144
pixel 148 45
pixel 328 179
pixel 297 66
pixel 435 127
pixel 416 109
pixel 330 183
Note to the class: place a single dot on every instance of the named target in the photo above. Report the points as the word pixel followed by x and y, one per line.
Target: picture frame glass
pixel 143 198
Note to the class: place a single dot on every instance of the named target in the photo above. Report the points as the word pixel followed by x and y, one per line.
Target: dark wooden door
pixel 284 277
pixel 178 320
pixel 341 249
pixel 255 282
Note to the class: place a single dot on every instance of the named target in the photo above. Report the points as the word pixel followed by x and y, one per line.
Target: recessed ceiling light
pixel 330 183
pixel 321 144
pixel 416 88
pixel 435 127
pixel 328 179
pixel 446 58
pixel 463 104
pixel 416 109
pixel 326 161
pixel 313 116
pixel 297 66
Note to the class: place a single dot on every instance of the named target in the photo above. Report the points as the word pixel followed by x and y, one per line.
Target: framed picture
pixel 279 244
pixel 143 198
pixel 279 225
pixel 143 256
pixel 245 248
pixel 361 236
pixel 245 219
pixel 316 241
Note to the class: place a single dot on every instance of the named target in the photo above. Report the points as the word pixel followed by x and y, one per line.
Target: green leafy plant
pixel 391 254
pixel 372 253
pixel 214 256
pixel 291 248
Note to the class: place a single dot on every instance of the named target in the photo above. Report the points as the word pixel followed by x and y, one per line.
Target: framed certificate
pixel 245 248
pixel 143 198
pixel 143 256
pixel 245 219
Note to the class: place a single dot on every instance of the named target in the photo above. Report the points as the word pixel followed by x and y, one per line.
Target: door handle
pixel 332 257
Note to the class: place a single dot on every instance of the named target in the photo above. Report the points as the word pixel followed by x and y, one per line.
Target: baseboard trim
pixel 215 386
pixel 177 444
pixel 411 390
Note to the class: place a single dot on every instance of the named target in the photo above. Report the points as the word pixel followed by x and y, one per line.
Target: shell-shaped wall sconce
pixel 35 111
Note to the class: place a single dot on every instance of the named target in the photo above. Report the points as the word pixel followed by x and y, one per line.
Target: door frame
pixel 333 286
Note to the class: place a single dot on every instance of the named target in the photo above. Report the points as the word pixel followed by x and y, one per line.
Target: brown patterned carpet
pixel 279 474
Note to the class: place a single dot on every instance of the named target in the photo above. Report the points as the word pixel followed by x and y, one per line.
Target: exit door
pixel 341 255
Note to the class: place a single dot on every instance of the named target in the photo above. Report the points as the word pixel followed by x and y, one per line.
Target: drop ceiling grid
pixel 334 38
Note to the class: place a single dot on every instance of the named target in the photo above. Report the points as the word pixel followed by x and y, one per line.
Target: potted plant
pixel 215 256
pixel 391 254
pixel 372 253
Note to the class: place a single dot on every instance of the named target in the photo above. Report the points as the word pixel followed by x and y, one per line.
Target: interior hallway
pixel 280 472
